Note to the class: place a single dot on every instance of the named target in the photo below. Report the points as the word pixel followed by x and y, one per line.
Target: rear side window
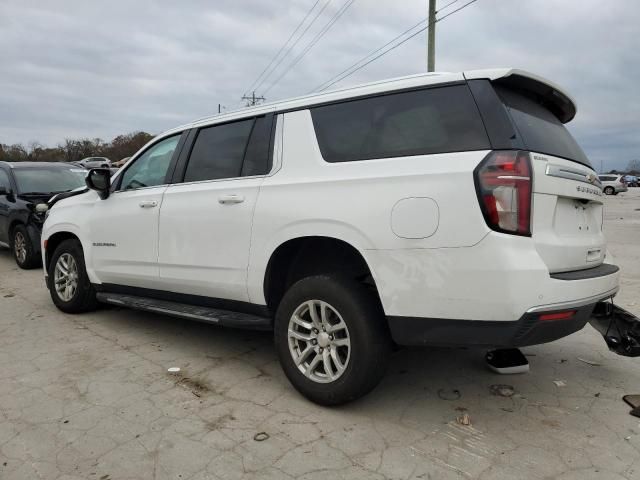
pixel 541 131
pixel 437 120
pixel 218 152
pixel 257 159
pixel 231 150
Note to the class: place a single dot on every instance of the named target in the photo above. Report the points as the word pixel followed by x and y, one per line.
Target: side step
pixel 202 314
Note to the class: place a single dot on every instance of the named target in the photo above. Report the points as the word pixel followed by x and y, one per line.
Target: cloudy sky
pixel 73 69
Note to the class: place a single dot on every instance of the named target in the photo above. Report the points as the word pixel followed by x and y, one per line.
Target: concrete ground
pixel 89 397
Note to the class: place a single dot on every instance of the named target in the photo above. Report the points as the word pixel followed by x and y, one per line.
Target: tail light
pixel 503 183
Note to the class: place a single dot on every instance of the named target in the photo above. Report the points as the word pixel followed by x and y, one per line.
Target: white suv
pixel 95 162
pixel 448 209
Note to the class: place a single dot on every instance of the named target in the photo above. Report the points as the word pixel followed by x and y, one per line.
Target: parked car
pixel 632 181
pixel 120 162
pixel 613 184
pixel 25 188
pixel 95 162
pixel 398 211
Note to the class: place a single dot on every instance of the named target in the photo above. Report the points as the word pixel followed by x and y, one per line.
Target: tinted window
pixel 541 131
pixel 218 152
pixel 48 180
pixel 257 159
pixel 4 180
pixel 150 169
pixel 436 120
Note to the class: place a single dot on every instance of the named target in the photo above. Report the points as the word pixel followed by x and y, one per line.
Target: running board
pixel 191 312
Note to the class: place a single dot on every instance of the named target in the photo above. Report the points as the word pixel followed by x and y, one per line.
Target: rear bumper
pixel 528 330
pixel 498 279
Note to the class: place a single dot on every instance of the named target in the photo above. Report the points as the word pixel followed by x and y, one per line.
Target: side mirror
pixel 4 191
pixel 99 179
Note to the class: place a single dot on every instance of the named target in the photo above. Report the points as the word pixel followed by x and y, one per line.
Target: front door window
pixel 150 169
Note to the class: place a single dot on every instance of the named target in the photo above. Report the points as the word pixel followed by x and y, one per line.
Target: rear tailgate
pixel 566 218
pixel 567 214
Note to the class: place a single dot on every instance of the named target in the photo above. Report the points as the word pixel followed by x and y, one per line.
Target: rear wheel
pixel 331 339
pixel 609 190
pixel 22 248
pixel 69 285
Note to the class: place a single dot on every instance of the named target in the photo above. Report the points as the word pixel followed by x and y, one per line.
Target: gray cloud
pixel 97 69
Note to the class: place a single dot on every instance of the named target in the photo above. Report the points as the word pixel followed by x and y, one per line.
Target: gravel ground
pixel 89 397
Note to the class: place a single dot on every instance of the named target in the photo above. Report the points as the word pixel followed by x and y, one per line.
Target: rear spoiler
pixel 544 91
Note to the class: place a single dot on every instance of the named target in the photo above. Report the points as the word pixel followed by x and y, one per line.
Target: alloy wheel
pixel 65 277
pixel 319 341
pixel 20 247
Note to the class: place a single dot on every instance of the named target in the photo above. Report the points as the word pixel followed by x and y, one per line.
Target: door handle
pixel 148 204
pixel 229 199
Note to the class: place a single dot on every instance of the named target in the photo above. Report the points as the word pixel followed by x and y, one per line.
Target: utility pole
pixel 253 100
pixel 431 37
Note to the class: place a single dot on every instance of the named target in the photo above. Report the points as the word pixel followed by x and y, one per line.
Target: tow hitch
pixel 620 329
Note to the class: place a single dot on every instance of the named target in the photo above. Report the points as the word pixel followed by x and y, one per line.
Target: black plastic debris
pixel 620 329
pixel 634 402
pixel 507 361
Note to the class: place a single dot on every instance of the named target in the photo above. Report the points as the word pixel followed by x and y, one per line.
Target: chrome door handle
pixel 229 199
pixel 148 204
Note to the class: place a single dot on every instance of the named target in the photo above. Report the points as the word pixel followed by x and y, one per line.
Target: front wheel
pixel 69 285
pixel 331 339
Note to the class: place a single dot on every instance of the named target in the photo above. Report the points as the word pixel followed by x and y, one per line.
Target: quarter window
pixel 435 120
pixel 150 169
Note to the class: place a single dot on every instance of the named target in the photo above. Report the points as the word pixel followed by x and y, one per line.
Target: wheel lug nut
pixel 321 349
pixel 313 342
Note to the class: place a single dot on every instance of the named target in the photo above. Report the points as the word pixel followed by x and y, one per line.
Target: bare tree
pixel 633 166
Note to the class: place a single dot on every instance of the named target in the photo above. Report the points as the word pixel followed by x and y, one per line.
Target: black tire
pixel 84 297
pixel 370 341
pixel 20 240
pixel 609 190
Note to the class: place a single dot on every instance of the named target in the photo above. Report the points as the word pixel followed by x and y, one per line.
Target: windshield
pixel 541 131
pixel 48 180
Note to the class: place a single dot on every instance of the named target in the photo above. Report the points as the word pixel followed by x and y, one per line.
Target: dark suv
pixel 25 188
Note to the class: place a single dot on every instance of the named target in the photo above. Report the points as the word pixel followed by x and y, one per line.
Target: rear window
pixel 435 120
pixel 541 131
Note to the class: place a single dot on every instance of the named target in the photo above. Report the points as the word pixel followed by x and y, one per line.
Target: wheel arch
pixel 52 243
pixel 303 256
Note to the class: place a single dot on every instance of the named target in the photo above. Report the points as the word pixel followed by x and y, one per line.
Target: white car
pixel 448 209
pixel 613 184
pixel 95 162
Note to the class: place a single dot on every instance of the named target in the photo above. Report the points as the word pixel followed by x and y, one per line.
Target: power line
pixel 371 53
pixel 264 79
pixel 456 10
pixel 281 48
pixel 446 6
pixel 315 40
pixel 335 79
